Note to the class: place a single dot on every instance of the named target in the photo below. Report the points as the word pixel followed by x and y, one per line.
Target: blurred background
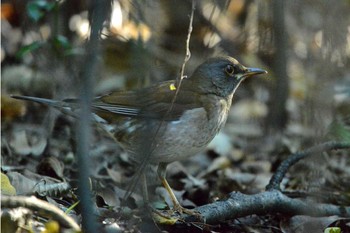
pixel 303 44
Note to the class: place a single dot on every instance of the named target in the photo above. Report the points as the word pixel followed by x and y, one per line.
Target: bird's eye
pixel 229 69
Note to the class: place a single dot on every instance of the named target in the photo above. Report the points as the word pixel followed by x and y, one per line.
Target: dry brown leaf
pixel 305 224
pixel 52 167
pixel 116 176
pixel 11 108
pixel 108 196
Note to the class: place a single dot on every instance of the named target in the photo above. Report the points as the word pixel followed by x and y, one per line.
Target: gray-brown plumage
pixel 175 130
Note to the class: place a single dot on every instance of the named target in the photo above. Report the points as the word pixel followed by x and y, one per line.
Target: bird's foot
pixel 182 210
pixel 169 217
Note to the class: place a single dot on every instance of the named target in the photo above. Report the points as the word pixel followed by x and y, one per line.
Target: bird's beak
pixel 253 71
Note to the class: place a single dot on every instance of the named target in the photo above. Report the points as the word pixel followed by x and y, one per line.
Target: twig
pixel 42 207
pixel 188 52
pixel 281 171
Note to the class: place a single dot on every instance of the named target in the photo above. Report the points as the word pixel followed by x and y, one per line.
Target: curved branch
pixel 42 207
pixel 281 171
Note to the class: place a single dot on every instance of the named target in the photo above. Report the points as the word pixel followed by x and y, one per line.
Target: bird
pixel 168 121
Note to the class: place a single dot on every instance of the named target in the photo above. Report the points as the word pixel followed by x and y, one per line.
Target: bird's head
pixel 221 76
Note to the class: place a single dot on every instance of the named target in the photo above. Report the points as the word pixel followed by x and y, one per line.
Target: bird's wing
pixel 155 102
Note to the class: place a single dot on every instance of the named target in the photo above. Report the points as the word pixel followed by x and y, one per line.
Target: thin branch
pixel 188 52
pixel 281 171
pixel 42 207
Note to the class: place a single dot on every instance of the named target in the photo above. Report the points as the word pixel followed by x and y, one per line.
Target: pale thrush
pixel 150 126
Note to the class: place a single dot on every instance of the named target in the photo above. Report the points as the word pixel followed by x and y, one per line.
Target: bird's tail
pixel 52 103
pixel 68 106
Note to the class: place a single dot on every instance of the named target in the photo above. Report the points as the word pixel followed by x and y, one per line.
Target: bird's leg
pixel 161 173
pixel 177 207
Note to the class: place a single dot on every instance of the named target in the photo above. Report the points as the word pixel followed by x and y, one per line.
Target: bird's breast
pixel 192 132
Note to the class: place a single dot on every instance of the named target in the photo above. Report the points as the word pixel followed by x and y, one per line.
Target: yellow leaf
pixel 51 227
pixel 6 186
pixel 164 220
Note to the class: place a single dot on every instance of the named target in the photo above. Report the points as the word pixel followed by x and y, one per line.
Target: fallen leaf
pixel 221 144
pixel 108 196
pixel 52 167
pixel 6 186
pixel 23 145
pixel 11 108
pixel 23 184
pixel 305 224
